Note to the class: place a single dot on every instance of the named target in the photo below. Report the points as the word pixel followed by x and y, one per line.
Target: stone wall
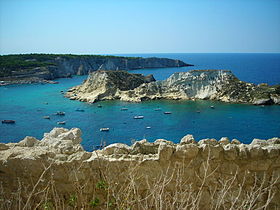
pixel 207 170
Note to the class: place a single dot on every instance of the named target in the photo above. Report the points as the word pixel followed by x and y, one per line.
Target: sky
pixel 139 26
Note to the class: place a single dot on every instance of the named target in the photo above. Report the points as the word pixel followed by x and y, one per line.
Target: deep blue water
pixel 26 105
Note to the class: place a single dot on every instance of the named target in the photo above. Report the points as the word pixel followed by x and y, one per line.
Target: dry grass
pixel 115 188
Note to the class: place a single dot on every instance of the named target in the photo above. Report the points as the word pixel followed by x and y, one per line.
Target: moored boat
pixel 46 117
pixel 167 112
pixel 8 121
pixel 104 129
pixel 79 110
pixel 61 123
pixel 138 117
pixel 60 113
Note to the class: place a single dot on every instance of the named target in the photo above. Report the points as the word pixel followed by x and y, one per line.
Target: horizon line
pixel 139 53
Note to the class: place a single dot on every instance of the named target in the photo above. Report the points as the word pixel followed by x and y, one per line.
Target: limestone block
pixel 28 141
pixel 188 139
pixel 255 151
pixel 272 151
pixel 211 152
pixel 235 141
pixel 144 147
pixel 186 151
pixel 230 152
pixel 243 151
pixel 116 148
pixel 165 151
pixel 274 140
pixel 212 142
pixel 259 142
pixel 224 140
pixel 3 146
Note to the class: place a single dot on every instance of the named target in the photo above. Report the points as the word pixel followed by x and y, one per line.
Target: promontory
pixel 29 68
pixel 219 85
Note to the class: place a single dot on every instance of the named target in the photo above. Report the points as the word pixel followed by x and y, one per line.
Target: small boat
pixel 46 117
pixel 138 117
pixel 157 109
pixel 60 113
pixel 197 111
pixel 167 112
pixel 61 123
pixel 46 103
pixel 79 110
pixel 212 107
pixel 148 127
pixel 124 109
pixel 104 129
pixel 8 121
pixel 99 106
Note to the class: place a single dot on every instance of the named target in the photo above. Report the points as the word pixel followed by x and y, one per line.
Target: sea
pixel 28 103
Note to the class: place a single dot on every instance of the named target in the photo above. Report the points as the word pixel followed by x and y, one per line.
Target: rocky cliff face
pixel 205 168
pixel 196 84
pixel 65 66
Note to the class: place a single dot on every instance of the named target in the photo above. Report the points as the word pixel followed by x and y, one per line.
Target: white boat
pixel 212 107
pixel 60 113
pixel 124 109
pixel 46 117
pixel 61 123
pixel 167 112
pixel 148 127
pixel 157 109
pixel 104 129
pixel 138 117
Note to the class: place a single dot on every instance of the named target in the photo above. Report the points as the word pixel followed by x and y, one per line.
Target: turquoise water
pixel 27 105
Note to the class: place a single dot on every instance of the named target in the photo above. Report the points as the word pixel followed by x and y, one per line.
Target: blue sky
pixel 139 26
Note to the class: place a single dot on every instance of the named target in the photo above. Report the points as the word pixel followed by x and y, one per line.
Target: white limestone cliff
pixel 196 84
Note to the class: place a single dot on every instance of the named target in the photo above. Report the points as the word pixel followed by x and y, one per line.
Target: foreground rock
pixel 196 84
pixel 35 68
pixel 58 160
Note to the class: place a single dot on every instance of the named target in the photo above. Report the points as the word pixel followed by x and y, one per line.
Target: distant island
pixel 219 85
pixel 32 68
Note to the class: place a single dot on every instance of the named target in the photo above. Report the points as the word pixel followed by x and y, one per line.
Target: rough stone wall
pixel 202 165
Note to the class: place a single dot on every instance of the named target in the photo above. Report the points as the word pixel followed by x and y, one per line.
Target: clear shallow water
pixel 26 105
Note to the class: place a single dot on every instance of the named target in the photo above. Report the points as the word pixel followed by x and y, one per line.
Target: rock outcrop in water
pixel 58 160
pixel 219 85
pixel 30 68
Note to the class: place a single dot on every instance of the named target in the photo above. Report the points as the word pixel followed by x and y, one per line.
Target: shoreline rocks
pixel 219 85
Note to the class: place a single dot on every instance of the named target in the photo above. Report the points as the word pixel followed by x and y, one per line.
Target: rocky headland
pixel 221 85
pixel 202 174
pixel 34 68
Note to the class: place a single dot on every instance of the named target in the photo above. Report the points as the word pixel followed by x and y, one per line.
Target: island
pixel 43 68
pixel 221 85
